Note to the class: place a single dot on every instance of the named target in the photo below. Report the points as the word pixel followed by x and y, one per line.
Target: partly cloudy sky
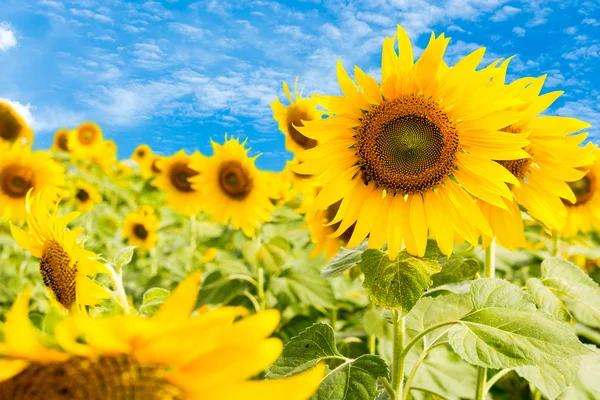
pixel 174 73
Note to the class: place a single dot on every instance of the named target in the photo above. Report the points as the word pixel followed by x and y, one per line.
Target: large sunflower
pixel 555 156
pixel 21 170
pixel 64 264
pixel 209 356
pixel 290 117
pixel 406 157
pixel 13 127
pixel 86 141
pixel 175 179
pixel 232 188
pixel 86 197
pixel 61 141
pixel 140 227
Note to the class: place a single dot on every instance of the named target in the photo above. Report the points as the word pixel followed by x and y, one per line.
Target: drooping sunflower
pixel 13 128
pixel 290 117
pixel 86 197
pixel 407 157
pixel 555 156
pixel 232 188
pixel 175 179
pixel 321 231
pixel 21 170
pixel 86 141
pixel 140 227
pixel 583 214
pixel 172 356
pixel 61 141
pixel 64 265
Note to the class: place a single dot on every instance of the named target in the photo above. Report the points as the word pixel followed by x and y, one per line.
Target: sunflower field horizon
pixel 300 201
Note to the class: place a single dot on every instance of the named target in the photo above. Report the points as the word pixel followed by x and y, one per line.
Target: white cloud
pixel 505 13
pixel 46 119
pixel 591 21
pixel 587 110
pixel 517 30
pixel 7 37
pixel 189 31
pixel 52 3
pixel 592 51
pixel 134 29
pixel 92 15
pixel 571 30
pixel 24 110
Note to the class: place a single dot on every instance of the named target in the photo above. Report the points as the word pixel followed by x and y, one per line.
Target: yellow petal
pixel 182 301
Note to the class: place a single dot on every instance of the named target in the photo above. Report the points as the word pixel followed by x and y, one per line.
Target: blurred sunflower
pixel 583 214
pixel 140 227
pixel 21 170
pixel 13 127
pixel 86 141
pixel 175 179
pixel 86 196
pixel 322 231
pixel 231 186
pixel 61 141
pixel 212 355
pixel 290 117
pixel 555 156
pixel 406 157
pixel 143 156
pixel 64 264
pixel 281 190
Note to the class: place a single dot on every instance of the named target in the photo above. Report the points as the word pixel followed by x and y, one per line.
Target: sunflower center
pixel 583 189
pixel 234 180
pixel 87 135
pixel 154 166
pixel 82 195
pixel 9 125
pixel 180 174
pixel 62 141
pixel 141 153
pixel 407 145
pixel 79 378
pixel 295 118
pixel 57 273
pixel 330 215
pixel 16 180
pixel 140 231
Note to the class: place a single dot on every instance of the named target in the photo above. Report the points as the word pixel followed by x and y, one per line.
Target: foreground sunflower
pixel 209 356
pixel 175 179
pixel 61 141
pixel 292 116
pixel 86 141
pixel 140 227
pixel 22 170
pixel 406 157
pixel 232 188
pixel 13 128
pixel 64 264
pixel 86 197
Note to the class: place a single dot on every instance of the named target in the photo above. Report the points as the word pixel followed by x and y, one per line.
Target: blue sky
pixel 174 73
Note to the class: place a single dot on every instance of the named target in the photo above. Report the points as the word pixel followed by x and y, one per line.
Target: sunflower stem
pixel 193 232
pixel 118 294
pixel 490 272
pixel 398 361
pixel 555 243
pixel 261 289
pixel 372 339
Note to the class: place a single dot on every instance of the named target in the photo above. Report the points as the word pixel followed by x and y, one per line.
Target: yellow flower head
pixel 13 127
pixel 322 231
pixel 141 153
pixel 86 141
pixel 86 197
pixel 407 157
pixel 61 141
pixel 290 117
pixel 211 356
pixel 64 264
pixel 175 179
pixel 22 170
pixel 140 227
pixel 232 189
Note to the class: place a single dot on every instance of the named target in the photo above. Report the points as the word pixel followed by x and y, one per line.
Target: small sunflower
pixel 13 127
pixel 22 170
pixel 61 141
pixel 64 264
pixel 407 157
pixel 210 356
pixel 292 116
pixel 322 231
pixel 141 153
pixel 86 141
pixel 86 197
pixel 175 179
pixel 140 227
pixel 232 188
pixel 583 214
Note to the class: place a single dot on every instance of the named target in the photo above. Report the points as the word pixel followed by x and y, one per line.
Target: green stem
pixel 388 388
pixel 425 332
pixel 372 339
pixel 490 272
pixel 261 289
pixel 555 243
pixel 413 372
pixel 252 299
pixel 431 392
pixel 481 381
pixel 118 294
pixel 193 232
pixel 398 363
pixel 492 381
pixel 537 395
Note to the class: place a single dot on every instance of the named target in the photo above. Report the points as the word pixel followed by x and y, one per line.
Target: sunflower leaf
pixel 586 384
pixel 546 300
pixel 551 378
pixel 506 330
pixel 454 270
pixel 399 283
pixel 344 260
pixel 124 256
pixel 303 286
pixel 152 300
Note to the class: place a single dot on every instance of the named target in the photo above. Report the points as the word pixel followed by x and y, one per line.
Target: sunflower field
pixel 434 237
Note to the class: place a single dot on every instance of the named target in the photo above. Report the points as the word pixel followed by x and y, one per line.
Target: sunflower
pixel 148 162
pixel 86 196
pixel 13 127
pixel 583 214
pixel 140 227
pixel 175 179
pixel 406 157
pixel 211 355
pixel 21 170
pixel 322 231
pixel 64 264
pixel 292 116
pixel 61 141
pixel 86 141
pixel 141 153
pixel 232 188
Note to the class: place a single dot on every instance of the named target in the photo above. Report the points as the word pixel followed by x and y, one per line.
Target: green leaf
pixel 376 325
pixel 303 285
pixel 505 329
pixel 220 289
pixel 344 260
pixel 454 270
pixel 355 379
pixel 152 300
pixel 552 378
pixel 305 351
pixel 586 385
pixel 546 300
pixel 578 291
pixel 399 283
pixel 124 256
